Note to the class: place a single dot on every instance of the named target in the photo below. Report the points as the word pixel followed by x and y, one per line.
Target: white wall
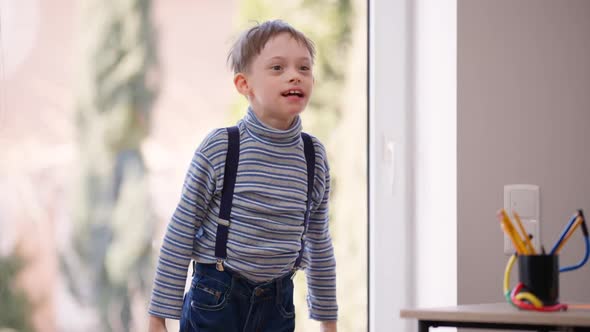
pixel 435 149
pixel 390 266
pixel 412 158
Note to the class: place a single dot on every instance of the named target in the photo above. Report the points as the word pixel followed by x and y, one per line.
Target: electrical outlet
pixel 524 199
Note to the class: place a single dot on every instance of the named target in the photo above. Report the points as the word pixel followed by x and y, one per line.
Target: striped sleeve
pixel 177 246
pixel 321 270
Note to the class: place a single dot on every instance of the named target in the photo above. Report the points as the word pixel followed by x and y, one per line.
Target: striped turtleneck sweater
pixel 266 218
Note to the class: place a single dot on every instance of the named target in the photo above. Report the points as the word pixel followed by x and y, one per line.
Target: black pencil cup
pixel 540 276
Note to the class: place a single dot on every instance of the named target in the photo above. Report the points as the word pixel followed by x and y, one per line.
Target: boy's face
pixel 279 80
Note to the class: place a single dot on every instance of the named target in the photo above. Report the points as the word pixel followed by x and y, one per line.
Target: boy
pixel 253 212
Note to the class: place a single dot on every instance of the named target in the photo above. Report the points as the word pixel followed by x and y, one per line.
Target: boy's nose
pixel 295 76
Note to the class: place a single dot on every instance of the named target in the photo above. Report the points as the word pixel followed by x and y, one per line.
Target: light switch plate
pixel 525 200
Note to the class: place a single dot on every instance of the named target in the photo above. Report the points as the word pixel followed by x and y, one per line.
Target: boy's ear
pixel 241 83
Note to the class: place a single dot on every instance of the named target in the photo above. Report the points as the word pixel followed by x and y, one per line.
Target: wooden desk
pixel 499 316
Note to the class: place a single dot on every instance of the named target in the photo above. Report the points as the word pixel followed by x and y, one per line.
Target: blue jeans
pixel 227 302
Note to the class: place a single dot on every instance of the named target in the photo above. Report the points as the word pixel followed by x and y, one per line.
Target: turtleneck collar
pixel 262 131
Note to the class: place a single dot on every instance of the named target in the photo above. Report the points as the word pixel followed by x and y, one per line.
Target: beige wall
pixel 523 105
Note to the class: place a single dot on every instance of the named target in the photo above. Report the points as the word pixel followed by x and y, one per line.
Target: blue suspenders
pixel 227 194
pixel 231 170
pixel 310 160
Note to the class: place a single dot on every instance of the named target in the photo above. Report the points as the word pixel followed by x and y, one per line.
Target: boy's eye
pixel 304 68
pixel 276 67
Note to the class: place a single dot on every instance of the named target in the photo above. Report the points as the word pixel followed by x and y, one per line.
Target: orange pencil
pixel 579 306
pixel 524 233
pixel 577 224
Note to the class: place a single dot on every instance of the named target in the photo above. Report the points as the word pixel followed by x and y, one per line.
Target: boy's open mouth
pixel 293 92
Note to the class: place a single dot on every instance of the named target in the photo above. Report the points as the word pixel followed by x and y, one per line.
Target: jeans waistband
pixel 229 274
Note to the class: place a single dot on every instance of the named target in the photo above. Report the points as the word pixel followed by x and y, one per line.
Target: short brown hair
pixel 252 41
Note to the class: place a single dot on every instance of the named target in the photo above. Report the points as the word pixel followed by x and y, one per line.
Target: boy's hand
pixel 328 326
pixel 157 324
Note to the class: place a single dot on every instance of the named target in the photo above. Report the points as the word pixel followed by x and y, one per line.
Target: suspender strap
pixel 229 181
pixel 310 160
pixel 227 194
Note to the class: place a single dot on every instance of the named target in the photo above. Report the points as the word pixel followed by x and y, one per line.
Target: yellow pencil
pixel 511 232
pixel 516 246
pixel 515 235
pixel 576 224
pixel 524 233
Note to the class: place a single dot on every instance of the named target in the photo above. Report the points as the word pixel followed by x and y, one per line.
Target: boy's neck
pixel 274 122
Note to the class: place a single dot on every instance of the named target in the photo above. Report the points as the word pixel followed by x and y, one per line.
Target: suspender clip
pixel 219 265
